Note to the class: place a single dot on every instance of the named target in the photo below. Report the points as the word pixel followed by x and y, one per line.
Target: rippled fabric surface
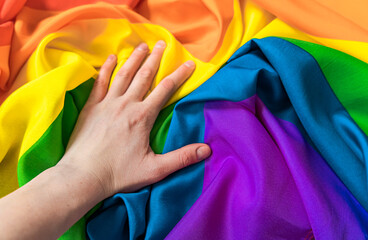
pixel 270 130
pixel 286 116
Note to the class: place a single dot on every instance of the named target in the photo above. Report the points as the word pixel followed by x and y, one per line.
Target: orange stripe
pixel 198 25
pixel 6 30
pixel 338 19
pixel 203 26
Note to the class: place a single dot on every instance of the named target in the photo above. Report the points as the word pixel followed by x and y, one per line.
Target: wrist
pixel 83 182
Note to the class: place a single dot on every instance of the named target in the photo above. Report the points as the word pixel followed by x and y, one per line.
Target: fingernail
pixel 111 57
pixel 142 47
pixel 203 152
pixel 189 64
pixel 161 44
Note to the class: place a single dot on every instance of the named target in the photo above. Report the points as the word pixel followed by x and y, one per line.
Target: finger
pixel 143 79
pixel 126 73
pixel 101 84
pixel 166 88
pixel 170 162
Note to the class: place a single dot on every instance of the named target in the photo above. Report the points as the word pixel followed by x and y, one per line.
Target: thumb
pixel 180 158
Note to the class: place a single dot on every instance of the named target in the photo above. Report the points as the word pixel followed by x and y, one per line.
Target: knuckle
pixel 139 117
pixel 145 72
pixel 168 83
pixel 124 74
pixel 142 85
pixel 145 110
pixel 133 122
pixel 123 103
pixel 185 159
pixel 100 81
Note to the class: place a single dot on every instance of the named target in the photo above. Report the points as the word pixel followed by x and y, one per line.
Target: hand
pixel 108 151
pixel 110 142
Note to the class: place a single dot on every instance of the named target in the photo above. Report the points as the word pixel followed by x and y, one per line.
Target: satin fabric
pixel 218 18
pixel 264 181
pixel 36 21
pixel 48 49
pixel 248 20
pixel 347 81
pixel 63 61
pixel 306 117
pixel 335 19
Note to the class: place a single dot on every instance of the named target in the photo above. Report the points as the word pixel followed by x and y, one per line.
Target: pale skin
pixel 108 151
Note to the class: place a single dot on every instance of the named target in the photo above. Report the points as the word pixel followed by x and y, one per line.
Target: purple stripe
pixel 264 181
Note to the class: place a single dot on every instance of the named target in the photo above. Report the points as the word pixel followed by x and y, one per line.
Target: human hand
pixel 110 142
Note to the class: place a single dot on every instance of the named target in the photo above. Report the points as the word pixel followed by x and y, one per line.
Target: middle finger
pixel 143 79
pixel 128 70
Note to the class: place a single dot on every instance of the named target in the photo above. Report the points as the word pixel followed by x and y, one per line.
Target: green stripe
pixel 347 76
pixel 161 128
pixel 49 149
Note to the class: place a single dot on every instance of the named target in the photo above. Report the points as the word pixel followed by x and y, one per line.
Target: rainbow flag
pixel 280 93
